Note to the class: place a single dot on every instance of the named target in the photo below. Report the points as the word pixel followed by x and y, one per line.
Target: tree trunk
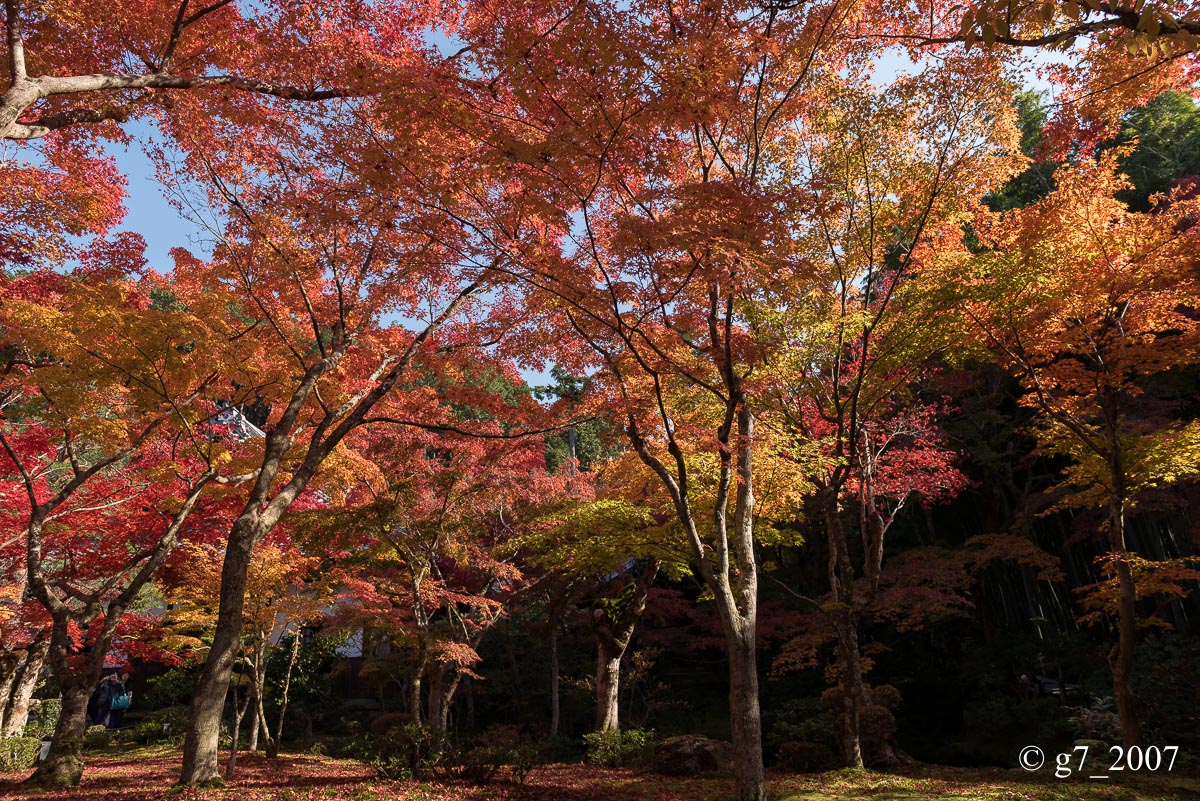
pixel 239 712
pixel 204 725
pixel 613 623
pixel 252 746
pixel 11 663
pixel 555 708
pixel 64 765
pixel 852 687
pixel 414 696
pixel 435 698
pixel 745 716
pixel 283 700
pixel 448 702
pixel 727 563
pixel 414 683
pixel 251 700
pixel 260 715
pixel 1120 659
pixel 845 623
pixel 17 714
pixel 608 685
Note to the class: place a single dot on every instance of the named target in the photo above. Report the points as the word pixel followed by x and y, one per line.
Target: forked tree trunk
pixel 64 764
pixel 265 506
pixel 613 623
pixel 727 563
pixel 77 678
pixel 21 694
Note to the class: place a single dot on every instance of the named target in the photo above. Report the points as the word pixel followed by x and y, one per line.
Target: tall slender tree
pixel 1089 305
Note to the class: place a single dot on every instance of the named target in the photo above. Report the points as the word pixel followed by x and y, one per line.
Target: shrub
pixel 480 765
pixel 620 749
pixel 501 748
pixel 147 732
pixel 96 737
pixel 43 717
pixel 177 717
pixel 1097 722
pixel 1167 686
pixel 18 753
pixel 804 736
pixel 404 752
pixel 173 688
pixel 388 721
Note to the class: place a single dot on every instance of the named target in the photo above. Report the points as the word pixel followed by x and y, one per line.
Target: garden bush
pixel 96 737
pixel 176 716
pixel 173 688
pixel 803 737
pixel 43 717
pixel 1097 722
pixel 629 748
pixel 18 753
pixel 500 748
pixel 147 732
pixel 387 721
pixel 404 752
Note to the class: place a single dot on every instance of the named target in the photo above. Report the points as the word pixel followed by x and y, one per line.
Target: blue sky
pixel 163 227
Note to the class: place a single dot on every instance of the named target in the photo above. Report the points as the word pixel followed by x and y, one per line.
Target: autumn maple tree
pixel 108 444
pixel 284 593
pixel 316 282
pixel 429 526
pixel 1105 56
pixel 883 179
pixel 1088 304
pixel 667 208
pixel 608 552
pixel 760 243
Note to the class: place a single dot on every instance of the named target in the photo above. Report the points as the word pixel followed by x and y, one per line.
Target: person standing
pixel 119 700
pixel 104 700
